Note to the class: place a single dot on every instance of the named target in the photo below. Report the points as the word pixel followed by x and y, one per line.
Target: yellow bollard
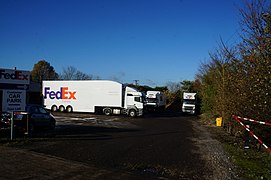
pixel 219 121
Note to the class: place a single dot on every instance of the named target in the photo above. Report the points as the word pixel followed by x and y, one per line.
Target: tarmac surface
pixel 168 146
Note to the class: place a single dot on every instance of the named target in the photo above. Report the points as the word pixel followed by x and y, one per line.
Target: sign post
pixel 12 126
pixel 13 86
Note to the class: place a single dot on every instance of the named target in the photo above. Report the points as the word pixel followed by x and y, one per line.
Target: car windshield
pixel 34 109
pixel 42 110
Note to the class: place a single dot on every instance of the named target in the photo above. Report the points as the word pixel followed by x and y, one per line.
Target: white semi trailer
pixel 94 96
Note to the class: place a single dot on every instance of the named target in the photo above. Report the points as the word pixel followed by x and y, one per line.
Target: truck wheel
pixel 132 113
pixel 54 108
pixel 69 109
pixel 61 108
pixel 107 111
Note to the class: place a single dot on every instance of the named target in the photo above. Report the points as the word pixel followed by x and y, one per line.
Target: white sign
pixel 14 100
pixel 10 76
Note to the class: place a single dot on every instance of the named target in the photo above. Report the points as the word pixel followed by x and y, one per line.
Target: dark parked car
pixel 35 117
pixel 39 117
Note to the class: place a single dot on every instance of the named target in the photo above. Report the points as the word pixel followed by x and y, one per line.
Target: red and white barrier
pixel 237 118
pixel 255 121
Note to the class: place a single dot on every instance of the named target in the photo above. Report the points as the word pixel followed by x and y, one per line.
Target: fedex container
pixel 94 96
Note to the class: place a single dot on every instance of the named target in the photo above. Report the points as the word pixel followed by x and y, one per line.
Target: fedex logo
pixel 19 75
pixel 64 93
pixel 11 76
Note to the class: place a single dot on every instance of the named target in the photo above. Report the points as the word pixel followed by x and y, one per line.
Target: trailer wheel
pixel 61 108
pixel 107 111
pixel 69 109
pixel 132 113
pixel 54 108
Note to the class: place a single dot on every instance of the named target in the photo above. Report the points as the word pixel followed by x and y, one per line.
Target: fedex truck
pixel 189 103
pixel 94 96
pixel 155 100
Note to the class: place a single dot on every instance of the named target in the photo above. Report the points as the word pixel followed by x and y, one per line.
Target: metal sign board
pixel 14 86
pixel 14 100
pixel 10 76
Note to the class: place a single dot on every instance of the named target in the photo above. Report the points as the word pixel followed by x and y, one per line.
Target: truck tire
pixel 107 111
pixel 69 109
pixel 132 113
pixel 61 108
pixel 54 108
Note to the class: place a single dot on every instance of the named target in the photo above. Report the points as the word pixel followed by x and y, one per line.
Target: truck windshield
pixel 151 100
pixel 192 102
pixel 138 99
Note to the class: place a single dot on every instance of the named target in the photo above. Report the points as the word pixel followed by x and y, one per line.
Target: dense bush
pixel 237 79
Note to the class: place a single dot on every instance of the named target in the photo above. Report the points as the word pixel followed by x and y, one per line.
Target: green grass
pixel 254 164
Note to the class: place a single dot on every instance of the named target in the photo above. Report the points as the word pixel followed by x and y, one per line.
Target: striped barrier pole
pixel 255 121
pixel 252 134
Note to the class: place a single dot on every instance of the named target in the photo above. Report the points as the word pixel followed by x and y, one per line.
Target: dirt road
pixel 168 146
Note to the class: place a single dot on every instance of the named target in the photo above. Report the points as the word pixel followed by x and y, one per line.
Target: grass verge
pixel 253 163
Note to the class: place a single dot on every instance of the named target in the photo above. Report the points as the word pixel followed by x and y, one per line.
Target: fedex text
pixel 17 75
pixel 63 93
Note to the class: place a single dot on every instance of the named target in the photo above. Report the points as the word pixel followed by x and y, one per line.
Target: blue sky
pixel 153 41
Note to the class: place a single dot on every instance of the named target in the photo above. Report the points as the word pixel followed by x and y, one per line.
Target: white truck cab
pixel 134 101
pixel 155 100
pixel 189 103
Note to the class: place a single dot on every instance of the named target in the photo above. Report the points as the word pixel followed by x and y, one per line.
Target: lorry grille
pixel 188 108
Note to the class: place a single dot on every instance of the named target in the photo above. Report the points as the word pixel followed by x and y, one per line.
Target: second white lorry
pixel 189 103
pixel 155 100
pixel 94 96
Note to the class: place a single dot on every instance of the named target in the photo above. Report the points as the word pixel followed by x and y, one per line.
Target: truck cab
pixel 134 102
pixel 155 100
pixel 189 103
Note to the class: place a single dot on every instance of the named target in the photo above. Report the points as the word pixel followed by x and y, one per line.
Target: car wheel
pixel 52 125
pixel 31 129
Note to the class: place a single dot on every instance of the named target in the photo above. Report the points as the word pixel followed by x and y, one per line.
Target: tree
pixel 256 53
pixel 160 88
pixel 173 87
pixel 215 82
pixel 71 73
pixel 43 71
pixel 187 86
pixel 237 79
